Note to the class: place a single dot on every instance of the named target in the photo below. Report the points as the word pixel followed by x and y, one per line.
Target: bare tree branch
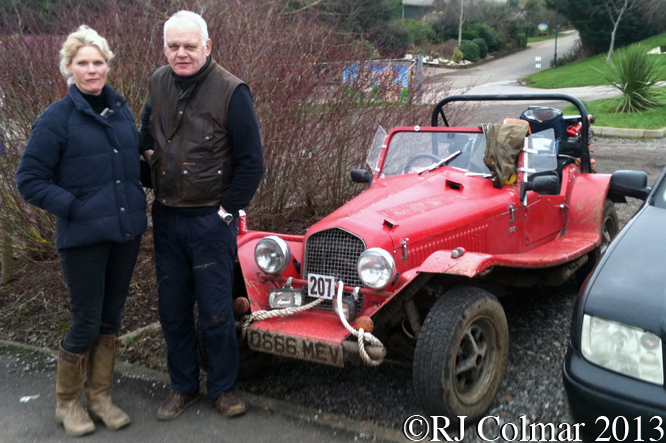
pixel 616 9
pixel 304 8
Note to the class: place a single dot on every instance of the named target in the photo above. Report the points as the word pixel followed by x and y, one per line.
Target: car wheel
pixel 250 363
pixel 461 354
pixel 609 230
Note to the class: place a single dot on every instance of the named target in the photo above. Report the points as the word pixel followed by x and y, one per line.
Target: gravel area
pixel 539 323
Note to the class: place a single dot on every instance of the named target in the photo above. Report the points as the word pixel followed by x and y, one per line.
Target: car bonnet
pixel 630 284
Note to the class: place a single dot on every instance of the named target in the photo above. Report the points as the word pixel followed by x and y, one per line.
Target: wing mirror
pixel 543 184
pixel 629 184
pixel 361 176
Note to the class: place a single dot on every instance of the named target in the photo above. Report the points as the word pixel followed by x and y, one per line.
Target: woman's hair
pixel 183 18
pixel 84 36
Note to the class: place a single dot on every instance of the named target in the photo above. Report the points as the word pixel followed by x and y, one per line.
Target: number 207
pixel 320 286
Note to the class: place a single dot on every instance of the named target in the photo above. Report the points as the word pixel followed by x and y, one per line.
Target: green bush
pixel 470 34
pixel 366 49
pixel 419 33
pixel 490 35
pixel 635 74
pixel 391 40
pixel 457 55
pixel 483 47
pixel 662 47
pixel 470 50
pixel 522 40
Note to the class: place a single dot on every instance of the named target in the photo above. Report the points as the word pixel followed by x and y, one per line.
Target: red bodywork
pixel 421 218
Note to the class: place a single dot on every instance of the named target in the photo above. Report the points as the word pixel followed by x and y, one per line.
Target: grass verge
pixel 542 38
pixel 604 110
pixel 590 72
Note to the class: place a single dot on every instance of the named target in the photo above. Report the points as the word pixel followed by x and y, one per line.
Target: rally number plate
pixel 321 286
pixel 295 347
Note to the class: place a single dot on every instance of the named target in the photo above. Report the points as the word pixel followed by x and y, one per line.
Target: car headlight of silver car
pixel 376 268
pixel 272 254
pixel 621 348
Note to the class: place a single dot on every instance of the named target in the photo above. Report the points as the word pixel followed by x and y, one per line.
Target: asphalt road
pixel 504 76
pixel 484 78
pixel 27 412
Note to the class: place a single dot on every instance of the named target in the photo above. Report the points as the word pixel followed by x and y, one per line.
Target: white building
pixel 416 8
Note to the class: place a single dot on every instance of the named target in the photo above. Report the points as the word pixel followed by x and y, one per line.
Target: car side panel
pixel 586 206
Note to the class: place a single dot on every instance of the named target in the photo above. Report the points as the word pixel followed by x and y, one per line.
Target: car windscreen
pixel 414 151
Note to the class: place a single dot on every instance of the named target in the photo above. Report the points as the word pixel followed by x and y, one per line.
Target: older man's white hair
pixel 182 19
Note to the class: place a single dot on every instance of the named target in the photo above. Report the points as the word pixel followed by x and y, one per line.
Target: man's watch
pixel 226 217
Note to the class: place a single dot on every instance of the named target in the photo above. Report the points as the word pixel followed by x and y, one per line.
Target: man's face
pixel 185 51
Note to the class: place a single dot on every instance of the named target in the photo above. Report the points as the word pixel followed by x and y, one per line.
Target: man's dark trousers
pixel 194 261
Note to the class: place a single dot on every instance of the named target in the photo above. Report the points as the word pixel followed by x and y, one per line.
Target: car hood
pixel 630 283
pixel 419 206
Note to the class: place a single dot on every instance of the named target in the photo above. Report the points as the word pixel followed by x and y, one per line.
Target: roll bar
pixel 585 152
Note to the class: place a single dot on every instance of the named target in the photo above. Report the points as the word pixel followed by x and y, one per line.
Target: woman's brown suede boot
pixel 69 383
pixel 99 381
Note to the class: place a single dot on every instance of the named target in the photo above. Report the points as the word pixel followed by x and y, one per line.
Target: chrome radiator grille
pixel 334 252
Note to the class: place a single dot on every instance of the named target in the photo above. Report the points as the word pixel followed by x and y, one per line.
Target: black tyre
pixel 461 354
pixel 609 230
pixel 251 363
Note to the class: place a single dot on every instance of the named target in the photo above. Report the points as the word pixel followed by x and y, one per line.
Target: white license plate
pixel 295 347
pixel 321 286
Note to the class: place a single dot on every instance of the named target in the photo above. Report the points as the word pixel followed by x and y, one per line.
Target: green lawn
pixel 604 110
pixel 542 38
pixel 590 72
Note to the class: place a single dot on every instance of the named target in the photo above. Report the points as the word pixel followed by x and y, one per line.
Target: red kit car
pixel 418 258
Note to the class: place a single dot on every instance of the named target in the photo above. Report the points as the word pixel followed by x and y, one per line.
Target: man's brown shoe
pixel 175 404
pixel 230 404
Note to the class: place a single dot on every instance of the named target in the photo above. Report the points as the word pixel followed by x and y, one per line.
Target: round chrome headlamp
pixel 272 254
pixel 376 268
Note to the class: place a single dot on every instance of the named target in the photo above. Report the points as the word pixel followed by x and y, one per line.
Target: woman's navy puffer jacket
pixel 84 168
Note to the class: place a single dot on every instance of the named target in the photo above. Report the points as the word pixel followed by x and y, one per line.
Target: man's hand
pixel 147 156
pixel 227 217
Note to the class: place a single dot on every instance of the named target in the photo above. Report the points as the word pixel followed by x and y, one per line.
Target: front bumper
pixel 594 392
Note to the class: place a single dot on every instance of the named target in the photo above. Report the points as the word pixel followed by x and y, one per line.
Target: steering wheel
pixel 416 157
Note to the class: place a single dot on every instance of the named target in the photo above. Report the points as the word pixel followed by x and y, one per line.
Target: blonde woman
pixel 81 163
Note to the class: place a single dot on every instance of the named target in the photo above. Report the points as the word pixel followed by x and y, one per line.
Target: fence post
pixel 419 79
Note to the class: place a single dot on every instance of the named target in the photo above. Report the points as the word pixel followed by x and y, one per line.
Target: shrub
pixel 577 53
pixel 420 33
pixel 392 40
pixel 470 50
pixel 457 55
pixel 470 34
pixel 448 47
pixel 521 40
pixel 366 49
pixel 483 47
pixel 635 74
pixel 443 26
pixel 490 36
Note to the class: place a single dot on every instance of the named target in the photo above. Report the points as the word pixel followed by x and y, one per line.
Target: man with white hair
pixel 201 137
